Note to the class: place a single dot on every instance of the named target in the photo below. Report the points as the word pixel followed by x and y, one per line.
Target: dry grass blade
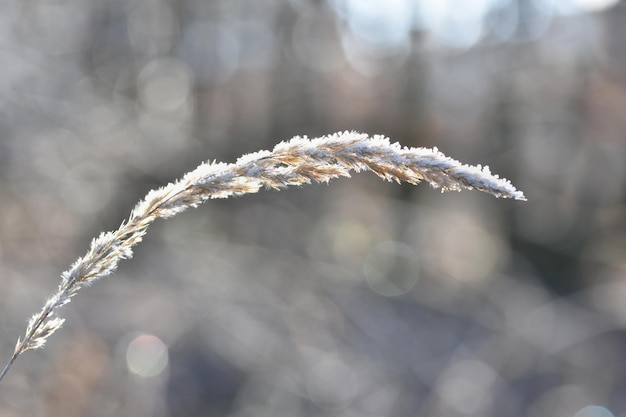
pixel 299 161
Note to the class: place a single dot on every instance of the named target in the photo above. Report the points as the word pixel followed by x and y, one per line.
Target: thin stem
pixel 8 365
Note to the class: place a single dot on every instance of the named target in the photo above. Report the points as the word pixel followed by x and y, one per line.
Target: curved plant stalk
pixel 299 161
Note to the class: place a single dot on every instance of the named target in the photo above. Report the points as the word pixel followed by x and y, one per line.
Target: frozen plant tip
pixel 296 162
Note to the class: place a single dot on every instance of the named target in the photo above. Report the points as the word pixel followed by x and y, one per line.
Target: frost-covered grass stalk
pixel 299 161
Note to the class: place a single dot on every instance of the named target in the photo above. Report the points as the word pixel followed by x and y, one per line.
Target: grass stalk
pixel 296 162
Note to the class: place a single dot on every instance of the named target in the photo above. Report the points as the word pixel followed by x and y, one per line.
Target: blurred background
pixel 358 298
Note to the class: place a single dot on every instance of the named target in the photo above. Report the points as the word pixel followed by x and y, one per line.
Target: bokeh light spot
pixel 595 5
pixel 466 386
pixel 164 85
pixel 453 24
pixel 152 27
pixel 391 268
pixel 594 411
pixel 146 356
pixel 377 35
pixel 316 43
pixel 350 242
pixel 88 187
pixel 379 22
pixel 324 388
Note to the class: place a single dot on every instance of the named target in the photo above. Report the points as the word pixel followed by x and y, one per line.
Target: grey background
pixel 358 298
